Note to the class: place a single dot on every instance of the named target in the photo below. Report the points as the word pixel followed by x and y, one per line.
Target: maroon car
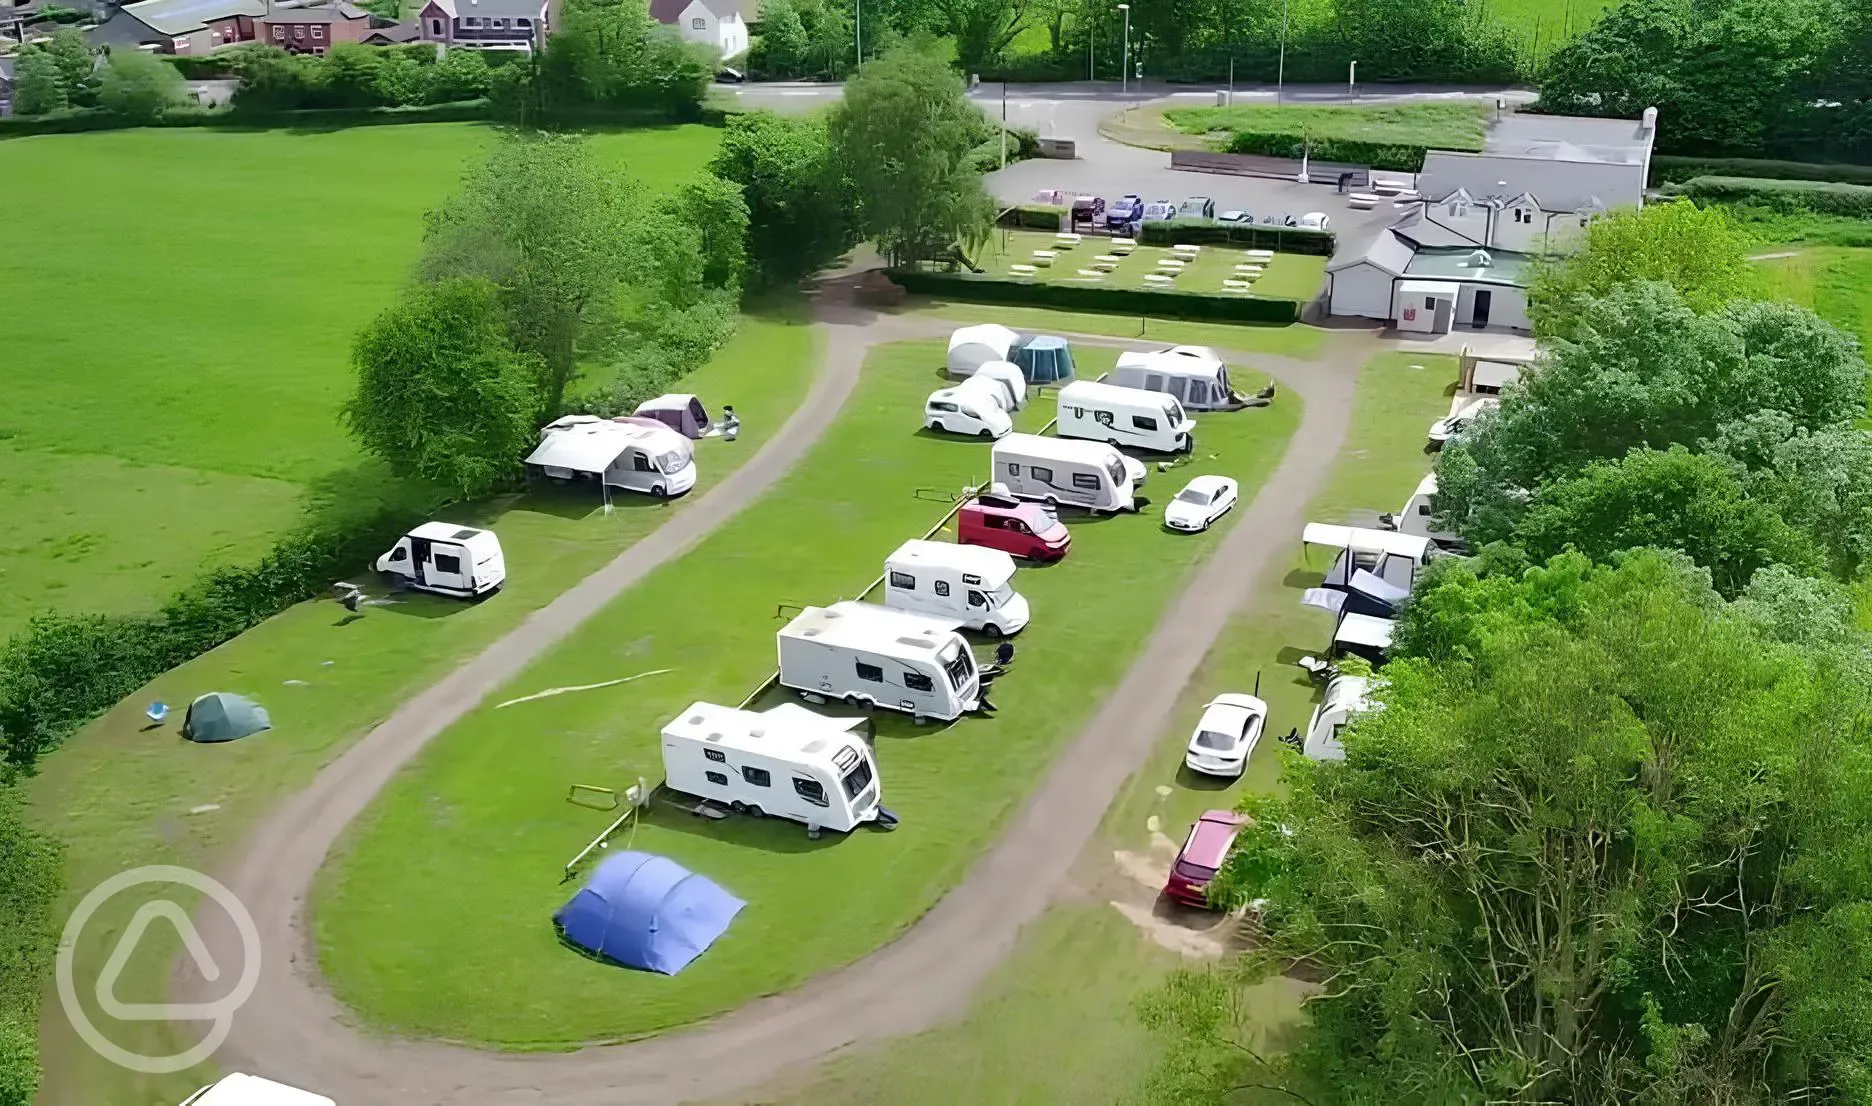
pixel 1016 527
pixel 1201 856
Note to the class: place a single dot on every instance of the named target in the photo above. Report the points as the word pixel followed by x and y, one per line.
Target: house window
pixel 715 755
pixel 446 563
pixel 435 27
pixel 1045 476
pixel 1143 422
pixel 1085 480
pixel 810 790
pixel 903 580
pixel 298 32
pixel 719 779
pixel 523 23
pixel 759 777
pixel 917 681
pixel 318 32
pixel 471 21
pixel 698 24
pixel 942 587
pixel 279 33
pixel 870 673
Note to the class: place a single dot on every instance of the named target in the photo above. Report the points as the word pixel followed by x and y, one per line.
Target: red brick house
pixel 312 30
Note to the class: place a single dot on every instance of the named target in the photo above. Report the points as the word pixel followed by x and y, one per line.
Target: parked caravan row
pixel 869 656
pixel 1059 471
pixel 785 761
pixel 1124 417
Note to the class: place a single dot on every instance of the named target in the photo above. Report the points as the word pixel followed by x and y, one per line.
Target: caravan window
pixel 917 681
pixel 1143 422
pixel 960 665
pixel 942 587
pixel 759 777
pixel 1086 480
pixel 1045 476
pixel 903 580
pixel 446 563
pixel 857 779
pixel 870 672
pixel 719 779
pixel 977 599
pixel 1013 469
pixel 811 790
pixel 1154 382
pixel 402 554
pixel 947 408
pixel 641 462
pixel 1176 412
pixel 671 462
pixel 1118 474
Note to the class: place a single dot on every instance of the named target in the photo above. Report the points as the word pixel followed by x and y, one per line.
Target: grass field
pixel 121 796
pixel 1287 276
pixel 1067 993
pixel 183 305
pixel 493 787
pixel 1454 125
pixel 1835 281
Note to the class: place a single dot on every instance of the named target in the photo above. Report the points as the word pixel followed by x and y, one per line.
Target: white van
pixel 1418 520
pixel 1062 471
pixel 869 656
pixel 1346 697
pixel 636 453
pixel 787 762
pixel 970 583
pixel 973 407
pixel 1124 416
pixel 447 559
pixel 251 1090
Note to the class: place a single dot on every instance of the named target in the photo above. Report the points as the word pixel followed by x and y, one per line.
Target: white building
pixel 1458 256
pixel 718 23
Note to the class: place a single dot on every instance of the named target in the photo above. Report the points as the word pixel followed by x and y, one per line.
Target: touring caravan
pixel 867 655
pixel 1193 374
pixel 787 762
pixel 973 407
pixel 971 347
pixel 1386 554
pixel 636 454
pixel 1418 520
pixel 240 1089
pixel 1345 698
pixel 1124 416
pixel 968 583
pixel 1059 471
pixel 447 559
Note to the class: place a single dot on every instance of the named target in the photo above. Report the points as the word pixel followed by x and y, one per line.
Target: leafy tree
pixel 797 198
pixel 1669 500
pixel 402 79
pixel 37 88
pixel 141 88
pixel 1821 482
pixel 903 132
pixel 553 231
pixel 273 80
pixel 610 53
pixel 77 66
pixel 1700 252
pixel 830 38
pixel 456 75
pixel 982 29
pixel 781 50
pixel 354 75
pixel 715 215
pixel 440 393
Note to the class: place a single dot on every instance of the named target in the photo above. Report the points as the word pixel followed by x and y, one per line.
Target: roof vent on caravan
pixel 813 746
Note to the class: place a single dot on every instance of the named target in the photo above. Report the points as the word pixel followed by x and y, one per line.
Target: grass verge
pixel 1287 276
pixel 1443 125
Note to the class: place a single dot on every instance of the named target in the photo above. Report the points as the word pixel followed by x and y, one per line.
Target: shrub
pixel 1787 197
pixel 30 878
pixel 1397 157
pixel 1263 236
pixel 140 89
pixel 1114 301
pixel 1034 216
pixel 1666 169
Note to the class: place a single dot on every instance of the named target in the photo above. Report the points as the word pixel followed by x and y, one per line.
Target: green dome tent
pixel 220 716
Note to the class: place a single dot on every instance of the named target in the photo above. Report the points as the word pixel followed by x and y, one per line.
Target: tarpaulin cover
pixel 646 911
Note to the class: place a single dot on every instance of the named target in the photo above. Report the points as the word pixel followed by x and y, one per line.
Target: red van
pixel 1201 856
pixel 1013 526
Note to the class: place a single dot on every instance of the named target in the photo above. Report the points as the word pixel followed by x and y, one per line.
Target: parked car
pixel 729 75
pixel 1196 207
pixel 1201 857
pixel 1123 210
pixel 1315 220
pixel 999 521
pixel 1238 218
pixel 1449 426
pixel 1089 210
pixel 1226 735
pixel 1159 211
pixel 1201 502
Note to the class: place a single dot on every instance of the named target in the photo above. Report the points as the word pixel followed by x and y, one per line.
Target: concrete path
pixel 293 1029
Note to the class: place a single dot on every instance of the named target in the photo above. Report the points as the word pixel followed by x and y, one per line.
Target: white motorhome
pixel 786 761
pixel 970 583
pixel 634 453
pixel 975 407
pixel 1346 697
pixel 870 656
pixel 1417 519
pixel 1386 554
pixel 447 559
pixel 251 1090
pixel 1124 416
pixel 1059 471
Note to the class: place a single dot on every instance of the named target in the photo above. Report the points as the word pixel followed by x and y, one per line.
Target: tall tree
pixel 781 50
pixel 37 87
pixel 141 88
pixel 1700 252
pixel 982 29
pixel 77 65
pixel 551 230
pixel 610 53
pixel 903 133
pixel 798 199
pixel 441 394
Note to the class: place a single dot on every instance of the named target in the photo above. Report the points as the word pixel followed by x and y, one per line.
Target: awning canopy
pixel 1365 630
pixel 581 449
pixel 1359 539
pixel 1495 374
pixel 1380 589
pixel 1330 600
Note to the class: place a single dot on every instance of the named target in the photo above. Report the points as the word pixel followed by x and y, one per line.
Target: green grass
pixel 493 787
pixel 1287 276
pixel 183 303
pixel 1444 125
pixel 1835 281
pixel 120 796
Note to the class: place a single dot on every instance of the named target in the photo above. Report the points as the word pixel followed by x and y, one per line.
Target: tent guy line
pixel 552 691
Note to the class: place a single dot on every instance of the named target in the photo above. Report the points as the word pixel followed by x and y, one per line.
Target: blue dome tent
pixel 1043 359
pixel 648 912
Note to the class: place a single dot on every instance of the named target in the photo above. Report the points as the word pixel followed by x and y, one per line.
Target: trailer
pixel 1193 374
pixel 1124 417
pixel 1346 698
pixel 1059 471
pixel 969 583
pixel 1419 520
pixel 447 559
pixel 869 656
pixel 786 762
pixel 240 1089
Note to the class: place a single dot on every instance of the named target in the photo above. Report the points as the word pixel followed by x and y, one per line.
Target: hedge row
pixel 64 669
pixel 1254 236
pixel 98 119
pixel 1034 216
pixel 1397 157
pixel 1789 197
pixel 1111 301
pixel 1666 169
pixel 222 65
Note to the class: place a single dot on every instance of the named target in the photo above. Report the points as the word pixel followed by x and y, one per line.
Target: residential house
pixel 1459 255
pixel 180 26
pixel 485 24
pixel 394 35
pixel 312 29
pixel 718 23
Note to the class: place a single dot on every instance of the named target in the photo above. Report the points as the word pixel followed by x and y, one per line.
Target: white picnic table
pixel 1171 263
pixel 1258 255
pixel 1109 257
pixel 1158 278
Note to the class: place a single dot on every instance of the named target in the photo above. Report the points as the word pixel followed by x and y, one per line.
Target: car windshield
pixel 671 462
pixel 1193 495
pixel 1215 739
pixel 1118 474
pixel 1000 596
pixel 1195 873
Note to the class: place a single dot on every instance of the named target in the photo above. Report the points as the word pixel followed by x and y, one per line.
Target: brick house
pixel 485 24
pixel 312 30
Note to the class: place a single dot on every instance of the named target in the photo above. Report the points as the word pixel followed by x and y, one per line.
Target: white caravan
pixel 447 559
pixel 1386 554
pixel 1124 416
pixel 970 583
pixel 869 656
pixel 1062 471
pixel 251 1090
pixel 633 453
pixel 1418 520
pixel 975 407
pixel 1193 374
pixel 787 762
pixel 1346 697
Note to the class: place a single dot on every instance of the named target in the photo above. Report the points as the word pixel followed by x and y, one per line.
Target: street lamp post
pixel 1280 76
pixel 1124 70
pixel 1352 81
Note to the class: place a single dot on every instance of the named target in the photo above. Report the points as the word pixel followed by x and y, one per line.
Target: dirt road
pixel 293 1028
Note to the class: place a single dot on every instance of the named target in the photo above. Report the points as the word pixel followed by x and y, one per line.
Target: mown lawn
pixel 181 306
pixel 469 840
pixel 1287 276
pixel 1445 125
pixel 120 795
pixel 1835 281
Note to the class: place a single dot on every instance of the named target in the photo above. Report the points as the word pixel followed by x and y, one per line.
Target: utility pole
pixel 1091 45
pixel 1280 76
pixel 1231 95
pixel 1124 70
pixel 858 30
pixel 1004 123
pixel 1351 81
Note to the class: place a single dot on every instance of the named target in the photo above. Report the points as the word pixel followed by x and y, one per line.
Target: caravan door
pixel 443 565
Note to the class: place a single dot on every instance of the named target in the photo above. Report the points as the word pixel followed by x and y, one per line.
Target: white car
pixel 1201 502
pixel 1226 736
pixel 1241 217
pixel 1449 426
pixel 1315 220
